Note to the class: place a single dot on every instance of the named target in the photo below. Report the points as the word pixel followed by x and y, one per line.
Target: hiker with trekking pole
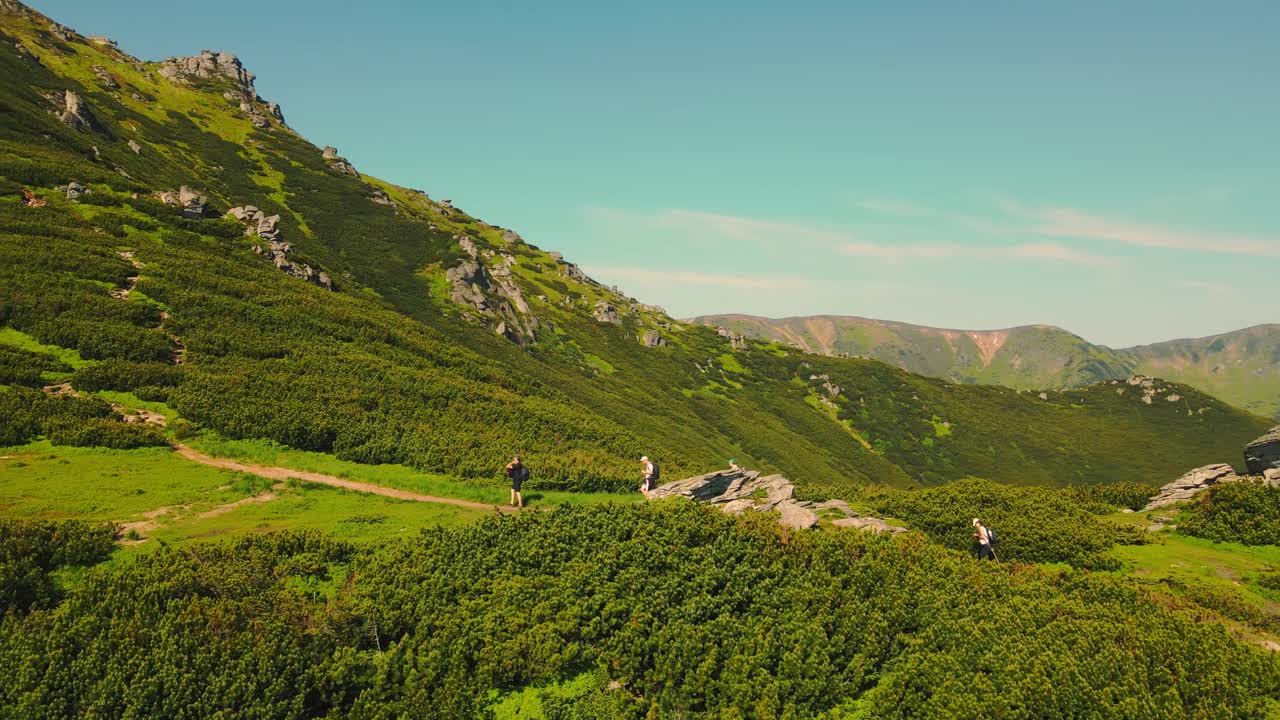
pixel 986 541
pixel 650 474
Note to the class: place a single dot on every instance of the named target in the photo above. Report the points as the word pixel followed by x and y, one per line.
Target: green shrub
pixel 1032 524
pixel 1244 512
pixel 107 433
pixel 30 550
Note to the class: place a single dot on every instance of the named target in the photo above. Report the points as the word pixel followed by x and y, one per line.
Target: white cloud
pixel 1033 252
pixel 1071 223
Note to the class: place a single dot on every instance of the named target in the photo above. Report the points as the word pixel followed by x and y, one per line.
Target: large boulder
pixel 1187 486
pixel 1264 453
pixel 736 491
pixel 75 113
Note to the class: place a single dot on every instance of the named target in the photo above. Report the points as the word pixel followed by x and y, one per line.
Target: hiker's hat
pixel 975 522
pixel 643 458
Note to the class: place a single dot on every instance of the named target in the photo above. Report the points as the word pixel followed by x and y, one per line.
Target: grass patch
pixel 23 341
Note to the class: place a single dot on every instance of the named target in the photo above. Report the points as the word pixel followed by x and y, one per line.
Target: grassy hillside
pixel 1241 367
pixel 394 359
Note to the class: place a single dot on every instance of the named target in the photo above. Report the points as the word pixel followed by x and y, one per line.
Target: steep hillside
pixel 164 228
pixel 1241 367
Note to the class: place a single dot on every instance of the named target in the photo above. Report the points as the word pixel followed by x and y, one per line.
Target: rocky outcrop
pixel 736 491
pixel 337 162
pixel 275 250
pixel 468 283
pixel 75 113
pixel 603 312
pixel 207 65
pixel 378 197
pixel 736 341
pixel 1187 486
pixel 105 79
pixel 492 293
pixel 135 147
pixel 75 190
pixel 651 339
pixel 1264 453
pixel 468 245
pixel 190 201
pixel 1271 476
pixel 511 237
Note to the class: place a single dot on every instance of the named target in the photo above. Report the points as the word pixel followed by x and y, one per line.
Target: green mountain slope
pixel 376 323
pixel 1241 367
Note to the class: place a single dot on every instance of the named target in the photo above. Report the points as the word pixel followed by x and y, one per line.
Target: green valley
pixel 255 407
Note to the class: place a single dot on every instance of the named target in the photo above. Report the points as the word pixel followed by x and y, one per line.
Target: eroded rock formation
pixel 1264 453
pixel 275 250
pixel 739 491
pixel 1187 486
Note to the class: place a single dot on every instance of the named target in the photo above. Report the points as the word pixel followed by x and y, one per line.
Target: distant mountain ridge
pixel 1241 367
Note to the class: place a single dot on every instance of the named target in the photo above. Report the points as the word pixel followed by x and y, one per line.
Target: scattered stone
pixel 1187 486
pixel 75 190
pixel 381 198
pixel 606 313
pixel 511 237
pixel 135 147
pixel 101 40
pixel 1044 396
pixel 276 251
pixel 652 339
pixel 736 341
pixel 832 389
pixel 62 32
pixel 29 199
pixel 468 245
pixel 1263 453
pixel 107 80
pixel 75 112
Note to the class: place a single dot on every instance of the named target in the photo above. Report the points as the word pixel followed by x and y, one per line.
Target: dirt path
pixel 282 474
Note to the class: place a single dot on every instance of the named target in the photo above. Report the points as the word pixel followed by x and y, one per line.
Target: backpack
pixel 656 471
pixel 991 536
pixel 524 472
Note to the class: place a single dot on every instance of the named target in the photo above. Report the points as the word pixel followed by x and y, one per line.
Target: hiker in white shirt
pixel 983 537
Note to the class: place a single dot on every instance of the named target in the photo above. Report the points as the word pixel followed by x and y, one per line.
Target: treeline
pixel 669 611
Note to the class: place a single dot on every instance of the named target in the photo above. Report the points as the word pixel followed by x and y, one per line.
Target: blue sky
pixel 1113 168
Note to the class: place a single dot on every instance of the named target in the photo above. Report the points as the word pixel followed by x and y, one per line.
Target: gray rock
pixel 75 190
pixel 1263 453
pixel 75 112
pixel 793 515
pixel 192 202
pixel 1195 481
pixel 206 65
pixel 329 153
pixel 652 339
pixel 1271 477
pixel 606 313
pixel 468 245
pixel 736 341
pixel 276 112
pixel 105 78
pixel 135 147
pixel 511 237
pixel 381 198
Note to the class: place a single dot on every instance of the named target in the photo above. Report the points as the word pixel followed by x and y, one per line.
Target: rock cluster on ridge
pixel 1186 487
pixel 276 251
pixel 739 491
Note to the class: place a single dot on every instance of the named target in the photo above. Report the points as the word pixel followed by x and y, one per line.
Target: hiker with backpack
pixel 986 540
pixel 650 472
pixel 517 473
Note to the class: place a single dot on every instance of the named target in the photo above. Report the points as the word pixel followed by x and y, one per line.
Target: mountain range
pixel 1241 367
pixel 163 224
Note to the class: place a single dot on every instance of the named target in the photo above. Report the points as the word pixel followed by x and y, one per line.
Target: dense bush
pixel 26 414
pixel 23 367
pixel 1032 524
pixel 672 611
pixel 31 550
pixel 1107 498
pixel 1244 512
pixel 125 375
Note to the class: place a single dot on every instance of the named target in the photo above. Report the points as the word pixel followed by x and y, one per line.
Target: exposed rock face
pixel 75 190
pixel 337 162
pixel 1263 453
pixel 192 202
pixel 492 292
pixel 1187 486
pixel 105 78
pixel 736 341
pixel 606 313
pixel 276 251
pixel 209 64
pixel 739 491
pixel 468 245
pixel 511 237
pixel 469 281
pixel 381 198
pixel 573 272
pixel 652 339
pixel 1271 476
pixel 75 113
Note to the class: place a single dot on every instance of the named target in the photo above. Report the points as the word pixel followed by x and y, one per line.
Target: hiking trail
pixel 282 474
